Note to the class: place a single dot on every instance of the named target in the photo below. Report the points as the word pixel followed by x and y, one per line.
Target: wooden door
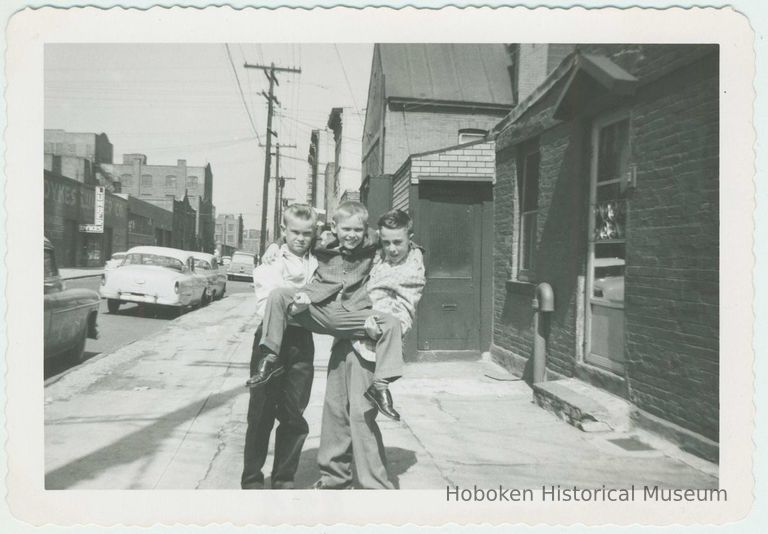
pixel 450 229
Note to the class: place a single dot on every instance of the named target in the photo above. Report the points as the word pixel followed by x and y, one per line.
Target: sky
pixel 183 101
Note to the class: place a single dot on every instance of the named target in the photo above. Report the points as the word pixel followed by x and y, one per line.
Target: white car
pixel 154 275
pixel 216 279
pixel 115 261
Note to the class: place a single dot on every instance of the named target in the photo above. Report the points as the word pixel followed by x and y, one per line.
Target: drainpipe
pixel 543 304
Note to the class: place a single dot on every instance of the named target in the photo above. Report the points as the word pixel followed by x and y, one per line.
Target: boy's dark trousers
pixel 284 398
pixel 349 429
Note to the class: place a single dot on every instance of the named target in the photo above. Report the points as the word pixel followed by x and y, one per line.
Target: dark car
pixel 70 315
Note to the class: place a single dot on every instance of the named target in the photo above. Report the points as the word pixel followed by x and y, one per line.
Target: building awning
pixel 591 77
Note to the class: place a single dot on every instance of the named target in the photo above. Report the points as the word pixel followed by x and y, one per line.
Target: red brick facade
pixel 671 280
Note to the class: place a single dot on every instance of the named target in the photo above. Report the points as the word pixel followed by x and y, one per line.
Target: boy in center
pixel 337 303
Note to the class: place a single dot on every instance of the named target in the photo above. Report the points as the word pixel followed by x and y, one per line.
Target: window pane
pixel 610 220
pixel 613 155
pixel 449 233
pixel 146 180
pixel 608 272
pixel 530 182
pixel 528 239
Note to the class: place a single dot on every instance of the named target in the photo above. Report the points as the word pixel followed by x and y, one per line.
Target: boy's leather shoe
pixel 382 399
pixel 265 371
pixel 320 485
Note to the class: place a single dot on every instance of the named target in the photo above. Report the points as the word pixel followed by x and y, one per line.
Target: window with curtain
pixel 528 191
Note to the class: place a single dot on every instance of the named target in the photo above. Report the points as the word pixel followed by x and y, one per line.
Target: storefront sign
pixel 98 213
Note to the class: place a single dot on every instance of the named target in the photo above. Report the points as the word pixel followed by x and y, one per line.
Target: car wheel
pixel 204 299
pixel 223 290
pixel 77 353
pixel 113 305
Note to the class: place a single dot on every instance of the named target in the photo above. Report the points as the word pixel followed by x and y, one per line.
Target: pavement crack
pixel 426 451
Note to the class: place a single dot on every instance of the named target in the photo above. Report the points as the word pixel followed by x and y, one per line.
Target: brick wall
pixel 671 285
pixel 470 160
pixel 672 281
pixel 413 132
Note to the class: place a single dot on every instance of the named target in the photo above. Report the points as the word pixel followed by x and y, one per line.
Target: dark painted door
pixel 450 228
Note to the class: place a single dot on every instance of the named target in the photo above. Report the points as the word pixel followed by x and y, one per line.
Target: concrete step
pixel 584 406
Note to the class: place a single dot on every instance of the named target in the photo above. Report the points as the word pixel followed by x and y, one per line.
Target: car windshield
pixel 202 264
pixel 242 258
pixel 154 259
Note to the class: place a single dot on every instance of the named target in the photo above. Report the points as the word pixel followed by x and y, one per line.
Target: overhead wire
pixel 242 95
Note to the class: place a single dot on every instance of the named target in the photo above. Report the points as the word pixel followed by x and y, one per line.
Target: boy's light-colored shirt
pixel 287 270
pixel 396 290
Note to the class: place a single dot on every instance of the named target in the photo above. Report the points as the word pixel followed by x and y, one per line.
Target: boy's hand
pixel 300 303
pixel 372 328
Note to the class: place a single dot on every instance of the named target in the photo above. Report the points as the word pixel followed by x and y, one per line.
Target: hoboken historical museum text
pixel 558 493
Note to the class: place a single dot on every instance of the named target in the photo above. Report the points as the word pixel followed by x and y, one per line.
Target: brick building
pixel 229 231
pixel 429 112
pixel 320 155
pixel 424 97
pixel 78 156
pixel 69 203
pixel 157 183
pixel 149 224
pixel 251 240
pixel 607 189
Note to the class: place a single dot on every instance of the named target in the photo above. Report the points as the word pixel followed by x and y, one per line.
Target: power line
pixel 349 85
pixel 242 95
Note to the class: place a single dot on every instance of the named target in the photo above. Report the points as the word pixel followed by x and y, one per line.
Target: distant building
pixel 229 230
pixel 251 239
pixel 320 154
pixel 350 194
pixel 78 156
pixel 157 183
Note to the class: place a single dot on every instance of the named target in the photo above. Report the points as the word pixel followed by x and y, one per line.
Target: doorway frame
pixel 598 123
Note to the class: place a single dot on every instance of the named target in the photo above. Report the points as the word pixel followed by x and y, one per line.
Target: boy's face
pixel 298 234
pixel 395 243
pixel 350 231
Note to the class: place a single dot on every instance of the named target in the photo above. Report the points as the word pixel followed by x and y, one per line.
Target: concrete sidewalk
pixel 169 412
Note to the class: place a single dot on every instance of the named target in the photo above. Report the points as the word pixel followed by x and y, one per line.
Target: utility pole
pixel 279 185
pixel 269 72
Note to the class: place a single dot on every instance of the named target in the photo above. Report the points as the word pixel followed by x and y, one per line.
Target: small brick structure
pixel 671 279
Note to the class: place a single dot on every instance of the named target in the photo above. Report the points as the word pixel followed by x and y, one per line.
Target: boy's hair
pixel 395 219
pixel 351 208
pixel 299 211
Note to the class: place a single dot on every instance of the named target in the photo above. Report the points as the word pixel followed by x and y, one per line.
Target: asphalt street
pixel 131 323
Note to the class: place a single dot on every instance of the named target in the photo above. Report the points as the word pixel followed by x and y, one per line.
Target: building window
pixel 528 191
pixel 146 180
pixel 126 180
pixel 467 135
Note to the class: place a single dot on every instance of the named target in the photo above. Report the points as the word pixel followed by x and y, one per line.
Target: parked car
pixel 215 278
pixel 241 266
pixel 70 315
pixel 154 275
pixel 115 261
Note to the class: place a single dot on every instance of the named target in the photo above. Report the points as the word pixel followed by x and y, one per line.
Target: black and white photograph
pixel 486 268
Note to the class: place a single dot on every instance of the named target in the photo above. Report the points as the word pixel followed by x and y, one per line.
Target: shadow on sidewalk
pixel 138 445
